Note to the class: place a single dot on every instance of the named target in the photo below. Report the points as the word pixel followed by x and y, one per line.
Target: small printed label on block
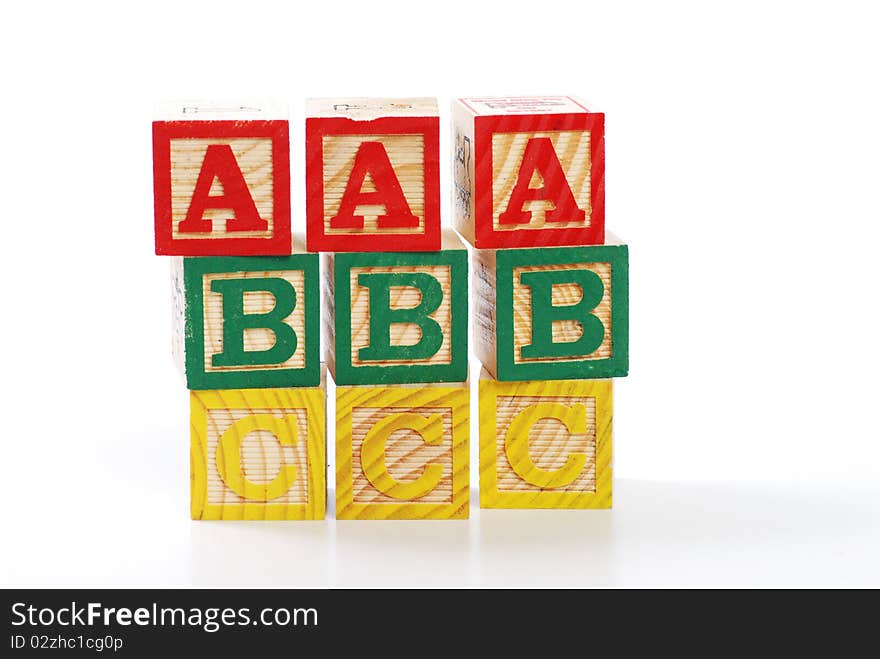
pixel 399 317
pixel 502 105
pixel 258 454
pixel 251 322
pixel 372 175
pixel 528 172
pixel 222 187
pixel 553 313
pixel 402 452
pixel 545 444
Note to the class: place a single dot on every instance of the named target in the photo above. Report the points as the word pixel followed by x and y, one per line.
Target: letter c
pixel 373 459
pixel 229 463
pixel 516 444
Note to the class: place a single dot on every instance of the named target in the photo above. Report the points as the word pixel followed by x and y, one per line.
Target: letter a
pixel 371 159
pixel 220 164
pixel 540 157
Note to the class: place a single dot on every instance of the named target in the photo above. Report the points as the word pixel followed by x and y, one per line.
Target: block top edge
pixel 366 109
pixel 513 105
pixel 486 376
pixel 408 385
pixel 220 110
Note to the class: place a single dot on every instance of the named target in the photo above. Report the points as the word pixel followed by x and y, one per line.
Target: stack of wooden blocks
pixel 529 197
pixel 551 297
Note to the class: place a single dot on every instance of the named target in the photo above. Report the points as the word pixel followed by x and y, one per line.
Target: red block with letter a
pixel 528 172
pixel 372 175
pixel 221 178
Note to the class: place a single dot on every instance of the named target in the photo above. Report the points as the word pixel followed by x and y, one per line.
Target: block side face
pixel 258 454
pixel 567 310
pixel 178 316
pixel 485 327
pixel 378 344
pixel 252 322
pixel 329 317
pixel 463 171
pixel 540 180
pixel 373 185
pixel 402 452
pixel 545 444
pixel 221 187
pixel 198 458
pixel 488 467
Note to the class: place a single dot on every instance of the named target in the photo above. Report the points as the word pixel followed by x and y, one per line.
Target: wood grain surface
pixel 254 302
pixel 277 436
pixel 254 157
pixel 559 453
pixel 402 297
pixel 407 453
pixel 407 156
pixel 566 294
pixel 550 443
pixel 573 150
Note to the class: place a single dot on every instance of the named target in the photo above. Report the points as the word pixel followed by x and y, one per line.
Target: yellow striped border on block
pixel 545 444
pixel 258 454
pixel 402 451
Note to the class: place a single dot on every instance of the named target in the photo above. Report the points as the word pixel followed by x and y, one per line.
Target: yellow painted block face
pixel 545 444
pixel 258 454
pixel 402 452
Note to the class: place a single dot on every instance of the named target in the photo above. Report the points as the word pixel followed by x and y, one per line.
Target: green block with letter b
pixel 553 313
pixel 398 317
pixel 248 322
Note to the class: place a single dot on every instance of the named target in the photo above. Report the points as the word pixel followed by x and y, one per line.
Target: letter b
pixel 236 321
pixel 544 313
pixel 382 316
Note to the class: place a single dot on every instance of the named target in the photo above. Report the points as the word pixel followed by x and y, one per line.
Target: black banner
pixel 228 622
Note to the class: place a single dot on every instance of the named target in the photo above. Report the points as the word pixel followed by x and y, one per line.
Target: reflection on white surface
pixel 659 534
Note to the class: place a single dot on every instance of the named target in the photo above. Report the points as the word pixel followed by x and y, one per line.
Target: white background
pixel 742 168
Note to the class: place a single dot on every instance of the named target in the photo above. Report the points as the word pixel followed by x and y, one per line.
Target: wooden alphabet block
pixel 259 454
pixel 221 181
pixel 552 313
pixel 402 452
pixel 398 317
pixel 245 322
pixel 373 175
pixel 545 444
pixel 528 172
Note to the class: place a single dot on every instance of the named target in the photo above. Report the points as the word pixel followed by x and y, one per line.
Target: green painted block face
pixel 401 317
pixel 562 313
pixel 252 321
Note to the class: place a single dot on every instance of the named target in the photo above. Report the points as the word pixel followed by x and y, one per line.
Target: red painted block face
pixel 372 175
pixel 222 187
pixel 529 172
